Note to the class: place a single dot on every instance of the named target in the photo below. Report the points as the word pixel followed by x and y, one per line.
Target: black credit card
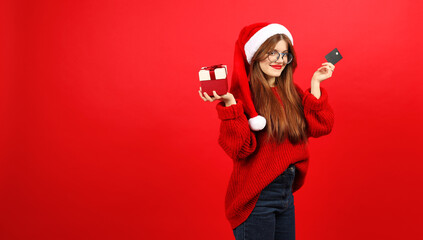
pixel 334 56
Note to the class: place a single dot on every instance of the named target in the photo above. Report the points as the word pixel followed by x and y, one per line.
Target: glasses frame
pixel 279 55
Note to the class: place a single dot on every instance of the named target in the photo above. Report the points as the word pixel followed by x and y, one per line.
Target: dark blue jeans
pixel 274 214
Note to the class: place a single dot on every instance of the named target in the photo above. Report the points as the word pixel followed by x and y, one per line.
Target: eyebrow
pixel 282 51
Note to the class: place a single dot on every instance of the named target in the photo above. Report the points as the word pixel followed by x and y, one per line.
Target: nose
pixel 280 60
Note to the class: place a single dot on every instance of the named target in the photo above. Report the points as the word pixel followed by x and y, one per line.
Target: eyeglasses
pixel 274 56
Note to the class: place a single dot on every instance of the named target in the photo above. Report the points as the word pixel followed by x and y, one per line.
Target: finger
pixel 216 96
pixel 327 68
pixel 332 67
pixel 329 71
pixel 201 96
pixel 208 97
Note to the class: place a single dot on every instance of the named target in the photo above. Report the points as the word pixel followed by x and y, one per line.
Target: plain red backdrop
pixel 104 136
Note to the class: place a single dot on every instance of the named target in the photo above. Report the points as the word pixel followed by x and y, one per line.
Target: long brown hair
pixel 285 120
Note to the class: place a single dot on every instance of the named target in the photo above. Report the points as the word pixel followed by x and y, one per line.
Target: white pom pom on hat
pixel 249 41
pixel 257 123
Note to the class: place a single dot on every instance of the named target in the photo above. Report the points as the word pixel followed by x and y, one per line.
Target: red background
pixel 104 136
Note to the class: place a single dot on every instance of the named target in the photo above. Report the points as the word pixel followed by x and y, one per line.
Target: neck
pixel 271 82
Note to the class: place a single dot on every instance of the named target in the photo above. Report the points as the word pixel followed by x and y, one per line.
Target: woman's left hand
pixel 324 72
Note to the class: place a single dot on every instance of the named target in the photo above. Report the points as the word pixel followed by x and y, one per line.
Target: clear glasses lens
pixel 274 56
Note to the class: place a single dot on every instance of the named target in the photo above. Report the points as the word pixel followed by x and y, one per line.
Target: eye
pixel 274 52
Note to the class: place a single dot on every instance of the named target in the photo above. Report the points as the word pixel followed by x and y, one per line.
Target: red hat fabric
pixel 249 40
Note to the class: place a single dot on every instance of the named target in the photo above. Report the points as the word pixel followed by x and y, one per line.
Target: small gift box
pixel 214 78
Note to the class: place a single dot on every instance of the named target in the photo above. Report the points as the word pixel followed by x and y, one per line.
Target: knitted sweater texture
pixel 257 161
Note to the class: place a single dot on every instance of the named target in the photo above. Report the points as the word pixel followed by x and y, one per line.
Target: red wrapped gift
pixel 214 78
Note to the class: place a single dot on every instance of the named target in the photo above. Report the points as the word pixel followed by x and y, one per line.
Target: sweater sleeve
pixel 235 137
pixel 318 113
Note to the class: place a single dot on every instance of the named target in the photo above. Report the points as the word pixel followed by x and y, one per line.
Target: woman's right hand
pixel 227 98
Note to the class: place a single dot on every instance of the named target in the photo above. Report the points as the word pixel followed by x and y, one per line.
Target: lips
pixel 277 66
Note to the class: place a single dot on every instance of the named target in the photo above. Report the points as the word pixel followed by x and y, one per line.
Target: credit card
pixel 334 56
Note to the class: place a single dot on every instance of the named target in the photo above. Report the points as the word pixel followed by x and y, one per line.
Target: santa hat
pixel 250 39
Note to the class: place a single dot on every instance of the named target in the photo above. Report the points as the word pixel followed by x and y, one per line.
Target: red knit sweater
pixel 256 161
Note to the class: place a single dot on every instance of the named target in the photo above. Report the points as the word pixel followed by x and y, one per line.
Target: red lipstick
pixel 276 66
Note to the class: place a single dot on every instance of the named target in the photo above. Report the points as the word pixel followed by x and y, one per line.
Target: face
pixel 274 69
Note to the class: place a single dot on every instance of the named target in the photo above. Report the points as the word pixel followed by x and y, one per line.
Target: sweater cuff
pixel 231 112
pixel 311 102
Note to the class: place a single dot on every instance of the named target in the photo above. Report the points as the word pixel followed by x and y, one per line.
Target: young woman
pixel 266 120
